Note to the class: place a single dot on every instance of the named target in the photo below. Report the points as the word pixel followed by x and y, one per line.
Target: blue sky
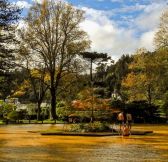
pixel 117 26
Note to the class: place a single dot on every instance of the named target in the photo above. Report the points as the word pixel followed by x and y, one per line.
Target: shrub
pixel 76 128
pixel 96 127
pixel 6 108
pixel 13 115
pixel 90 127
pixel 142 111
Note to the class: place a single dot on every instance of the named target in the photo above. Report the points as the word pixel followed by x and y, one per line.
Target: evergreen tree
pixel 94 57
pixel 116 72
pixel 9 15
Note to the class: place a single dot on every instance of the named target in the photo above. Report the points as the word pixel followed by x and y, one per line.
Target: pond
pixel 19 145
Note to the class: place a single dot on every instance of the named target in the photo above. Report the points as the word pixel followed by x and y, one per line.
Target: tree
pixel 141 81
pixel 9 15
pixel 161 36
pixel 36 83
pixel 161 57
pixel 94 57
pixel 116 72
pixel 85 101
pixel 121 70
pixel 54 37
pixel 165 105
pixel 162 74
pixel 101 72
pixel 37 78
pixel 9 84
pixel 70 86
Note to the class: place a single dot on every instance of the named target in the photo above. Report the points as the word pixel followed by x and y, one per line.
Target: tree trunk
pixel 149 93
pixel 38 110
pixel 91 77
pixel 53 103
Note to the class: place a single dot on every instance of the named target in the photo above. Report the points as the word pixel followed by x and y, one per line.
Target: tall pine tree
pixel 9 15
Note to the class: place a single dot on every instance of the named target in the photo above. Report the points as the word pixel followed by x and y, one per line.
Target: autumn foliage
pixel 87 100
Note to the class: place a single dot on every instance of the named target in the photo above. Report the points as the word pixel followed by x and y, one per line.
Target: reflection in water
pixel 19 145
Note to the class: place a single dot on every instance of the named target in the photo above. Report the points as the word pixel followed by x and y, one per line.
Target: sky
pixel 117 27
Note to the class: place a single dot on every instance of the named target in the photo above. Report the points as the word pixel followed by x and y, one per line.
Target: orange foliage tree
pixel 87 101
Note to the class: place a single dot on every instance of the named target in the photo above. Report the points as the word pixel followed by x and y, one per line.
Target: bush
pixel 142 111
pixel 90 127
pixel 6 108
pixel 77 128
pixel 13 115
pixel 97 127
pixel 117 103
pixel 62 110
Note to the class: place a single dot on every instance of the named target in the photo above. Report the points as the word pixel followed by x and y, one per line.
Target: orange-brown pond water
pixel 17 144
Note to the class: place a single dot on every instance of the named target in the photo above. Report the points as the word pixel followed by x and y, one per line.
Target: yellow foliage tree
pixel 55 38
pixel 139 84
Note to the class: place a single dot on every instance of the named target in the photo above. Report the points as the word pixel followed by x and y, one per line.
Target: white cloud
pixel 23 4
pixel 38 1
pixel 106 36
pixel 41 1
pixel 146 40
pixel 109 36
pixel 22 24
pixel 149 19
pixel 132 8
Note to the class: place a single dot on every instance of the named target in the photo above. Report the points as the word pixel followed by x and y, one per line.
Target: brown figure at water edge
pixel 129 120
pixel 125 130
pixel 120 119
pixel 125 123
